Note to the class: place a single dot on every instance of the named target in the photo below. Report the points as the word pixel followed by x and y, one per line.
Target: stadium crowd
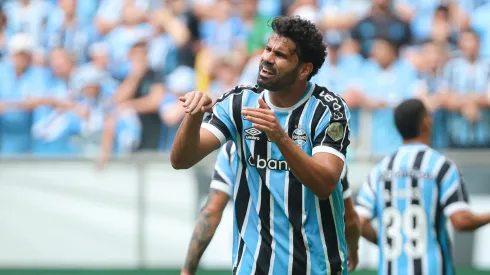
pixel 104 76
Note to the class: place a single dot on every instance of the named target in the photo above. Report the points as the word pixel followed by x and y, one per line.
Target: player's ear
pixel 305 71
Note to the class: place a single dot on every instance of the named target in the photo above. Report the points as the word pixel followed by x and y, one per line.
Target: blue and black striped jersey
pixel 280 226
pixel 412 193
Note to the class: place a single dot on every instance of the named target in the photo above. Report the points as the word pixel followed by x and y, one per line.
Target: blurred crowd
pixel 104 76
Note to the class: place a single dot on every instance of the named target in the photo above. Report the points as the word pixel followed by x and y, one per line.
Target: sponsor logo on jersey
pixel 271 164
pixel 252 134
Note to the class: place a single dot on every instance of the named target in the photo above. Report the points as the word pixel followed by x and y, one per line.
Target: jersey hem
pixel 364 212
pixel 327 149
pixel 221 186
pixel 215 131
pixel 455 207
pixel 347 194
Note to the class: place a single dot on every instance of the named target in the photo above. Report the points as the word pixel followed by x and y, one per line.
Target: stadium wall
pixel 140 213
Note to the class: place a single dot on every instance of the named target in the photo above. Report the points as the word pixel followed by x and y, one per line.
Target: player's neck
pixel 417 140
pixel 290 96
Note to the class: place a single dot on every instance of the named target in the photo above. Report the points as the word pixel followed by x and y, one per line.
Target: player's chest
pixel 299 132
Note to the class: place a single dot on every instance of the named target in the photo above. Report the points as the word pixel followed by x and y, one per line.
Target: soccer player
pixel 291 137
pixel 219 194
pixel 413 193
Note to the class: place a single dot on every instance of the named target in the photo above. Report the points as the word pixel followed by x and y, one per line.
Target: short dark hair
pixel 408 117
pixel 308 39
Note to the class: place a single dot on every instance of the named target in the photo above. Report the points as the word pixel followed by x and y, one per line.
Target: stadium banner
pixel 140 213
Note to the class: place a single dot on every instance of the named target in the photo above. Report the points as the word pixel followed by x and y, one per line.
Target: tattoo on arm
pixel 203 233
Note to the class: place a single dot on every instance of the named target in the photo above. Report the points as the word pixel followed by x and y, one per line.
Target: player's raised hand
pixel 196 102
pixel 264 120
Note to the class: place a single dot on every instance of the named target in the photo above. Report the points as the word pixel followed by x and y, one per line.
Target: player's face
pixel 279 67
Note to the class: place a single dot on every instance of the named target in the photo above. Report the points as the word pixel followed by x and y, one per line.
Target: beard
pixel 278 80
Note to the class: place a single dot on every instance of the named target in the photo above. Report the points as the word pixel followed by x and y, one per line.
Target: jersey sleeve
pixel 219 122
pixel 347 192
pixel 332 131
pixel 366 199
pixel 452 192
pixel 223 170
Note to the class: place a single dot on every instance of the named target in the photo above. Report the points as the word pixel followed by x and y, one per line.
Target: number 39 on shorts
pixel 411 224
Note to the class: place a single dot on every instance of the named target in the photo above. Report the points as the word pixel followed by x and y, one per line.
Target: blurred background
pixel 89 110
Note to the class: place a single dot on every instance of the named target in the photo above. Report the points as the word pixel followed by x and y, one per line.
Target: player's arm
pixel 210 216
pixel 192 143
pixel 366 207
pixel 319 173
pixel 368 231
pixel 352 225
pixel 455 201
pixel 209 219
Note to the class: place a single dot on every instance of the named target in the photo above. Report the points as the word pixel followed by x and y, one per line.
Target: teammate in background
pixel 291 137
pixel 219 194
pixel 412 193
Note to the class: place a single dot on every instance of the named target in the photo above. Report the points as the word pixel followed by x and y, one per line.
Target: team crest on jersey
pixel 252 134
pixel 299 136
pixel 335 131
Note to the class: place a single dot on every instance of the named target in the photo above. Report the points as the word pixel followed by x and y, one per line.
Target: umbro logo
pixel 252 134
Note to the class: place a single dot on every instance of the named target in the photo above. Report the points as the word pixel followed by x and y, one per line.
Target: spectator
pixel 256 26
pixel 180 82
pixel 342 63
pixel 20 80
pixel 381 23
pixel 28 16
pixel 45 116
pixel 64 30
pixel 189 43
pixel 250 72
pixel 443 31
pixel 225 76
pixel 223 34
pixel 170 35
pixel 480 20
pixel 142 91
pixel 338 17
pixel 111 12
pixel 433 56
pixel 464 92
pixel 419 14
pixel 121 39
pixel 386 80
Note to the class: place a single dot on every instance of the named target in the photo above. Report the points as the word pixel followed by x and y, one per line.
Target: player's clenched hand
pixel 196 102
pixel 263 119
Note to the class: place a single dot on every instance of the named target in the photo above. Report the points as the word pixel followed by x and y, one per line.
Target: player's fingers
pixel 188 99
pixel 259 113
pixel 262 104
pixel 258 121
pixel 208 107
pixel 262 110
pixel 195 101
pixel 199 105
pixel 260 127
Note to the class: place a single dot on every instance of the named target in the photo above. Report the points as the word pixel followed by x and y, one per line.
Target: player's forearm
pixel 472 222
pixel 203 233
pixel 368 232
pixel 353 232
pixel 317 177
pixel 184 153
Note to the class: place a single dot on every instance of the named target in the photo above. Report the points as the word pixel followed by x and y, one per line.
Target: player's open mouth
pixel 266 73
